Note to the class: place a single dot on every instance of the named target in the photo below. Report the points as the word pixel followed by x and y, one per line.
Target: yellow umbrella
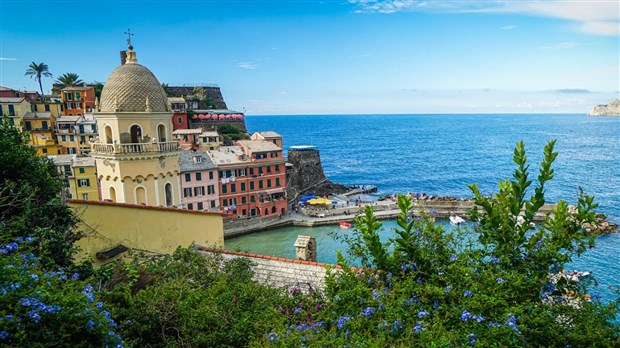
pixel 319 201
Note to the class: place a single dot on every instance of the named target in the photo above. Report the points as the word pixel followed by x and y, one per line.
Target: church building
pixel 137 159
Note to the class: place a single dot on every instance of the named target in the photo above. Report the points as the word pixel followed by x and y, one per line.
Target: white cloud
pixel 4 58
pixel 560 46
pixel 247 65
pixel 593 17
pixel 508 27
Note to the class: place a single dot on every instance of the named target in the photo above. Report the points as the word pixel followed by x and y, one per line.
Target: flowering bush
pixel 48 308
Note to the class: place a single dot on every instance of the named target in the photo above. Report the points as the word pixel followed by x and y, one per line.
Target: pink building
pixel 199 181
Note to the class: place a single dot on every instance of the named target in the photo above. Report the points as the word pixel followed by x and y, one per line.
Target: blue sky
pixel 335 57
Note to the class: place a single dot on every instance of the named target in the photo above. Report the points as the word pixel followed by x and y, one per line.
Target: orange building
pixel 252 179
pixel 78 100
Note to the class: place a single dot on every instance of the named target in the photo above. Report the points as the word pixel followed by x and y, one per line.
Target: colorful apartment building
pixel 79 175
pixel 252 179
pixel 15 108
pixel 43 145
pixel 179 108
pixel 199 181
pixel 50 104
pixel 78 100
pixel 197 139
pixel 270 136
pixel 40 127
pixel 66 134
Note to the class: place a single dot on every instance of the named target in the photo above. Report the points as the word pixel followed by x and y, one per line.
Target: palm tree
pixel 37 71
pixel 68 80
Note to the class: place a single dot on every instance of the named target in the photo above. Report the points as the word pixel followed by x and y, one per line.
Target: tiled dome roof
pixel 128 87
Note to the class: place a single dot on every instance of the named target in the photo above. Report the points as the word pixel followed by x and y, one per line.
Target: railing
pixel 134 148
pixel 66 131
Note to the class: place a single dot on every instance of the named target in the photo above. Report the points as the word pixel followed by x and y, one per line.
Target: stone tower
pixel 136 157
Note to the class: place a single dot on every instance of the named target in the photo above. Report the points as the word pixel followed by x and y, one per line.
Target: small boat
pixel 344 224
pixel 456 220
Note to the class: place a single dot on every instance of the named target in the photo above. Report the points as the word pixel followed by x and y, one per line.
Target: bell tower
pixel 137 159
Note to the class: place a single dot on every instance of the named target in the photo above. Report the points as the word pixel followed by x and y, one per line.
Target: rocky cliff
pixel 307 174
pixel 611 109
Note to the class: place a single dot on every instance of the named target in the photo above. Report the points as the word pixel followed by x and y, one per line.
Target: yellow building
pixel 44 145
pixel 14 108
pixel 49 104
pixel 84 182
pixel 114 229
pixel 137 159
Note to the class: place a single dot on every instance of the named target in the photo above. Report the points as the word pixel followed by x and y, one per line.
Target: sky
pixel 334 57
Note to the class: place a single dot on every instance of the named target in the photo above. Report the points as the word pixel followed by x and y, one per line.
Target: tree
pixel 38 71
pixel 68 80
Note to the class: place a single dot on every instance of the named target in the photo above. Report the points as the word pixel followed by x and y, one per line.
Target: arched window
pixel 112 194
pixel 108 135
pixel 140 195
pixel 136 134
pixel 168 189
pixel 161 133
pixel 273 210
pixel 266 211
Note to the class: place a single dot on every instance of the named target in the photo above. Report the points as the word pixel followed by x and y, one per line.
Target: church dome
pixel 133 88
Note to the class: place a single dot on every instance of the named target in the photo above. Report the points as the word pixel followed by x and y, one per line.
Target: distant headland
pixel 611 109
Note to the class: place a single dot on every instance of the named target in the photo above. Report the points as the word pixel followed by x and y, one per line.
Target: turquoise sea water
pixel 441 154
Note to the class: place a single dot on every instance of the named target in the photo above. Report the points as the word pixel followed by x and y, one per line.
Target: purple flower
pixel 495 260
pixel 368 312
pixel 468 294
pixel 4 335
pixel 499 280
pixel 422 313
pixel 465 315
pixel 342 320
pixel 419 327
pixel 453 258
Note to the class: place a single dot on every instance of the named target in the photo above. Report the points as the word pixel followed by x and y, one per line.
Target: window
pixel 212 204
pixel 268 182
pixel 180 120
pixel 260 170
pixel 68 96
pixel 242 172
pixel 63 137
pixel 190 206
pixel 47 107
pixel 188 177
pixel 85 196
pixel 224 189
pixel 11 110
pixel 224 202
pixel 187 192
pixel 242 187
pixel 199 191
pixel 251 171
pixel 28 126
pixel 83 182
pixel 71 150
pixel 243 200
pixel 198 176
pixel 77 96
pixel 44 125
pixel 233 188
pixel 81 170
pixel 44 150
pixel 210 175
pixel 251 185
pixel 277 182
pixel 252 199
pixel 268 169
pixel 260 184
pixel 82 139
pixel 200 206
pixel 71 137
pixel 210 189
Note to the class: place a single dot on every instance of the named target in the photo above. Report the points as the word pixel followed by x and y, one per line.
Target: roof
pixel 31 115
pixel 176 100
pixel 228 155
pixel 130 86
pixel 187 131
pixel 259 145
pixel 63 159
pixel 76 88
pixel 71 119
pixel 210 134
pixel 12 100
pixel 187 163
pixel 85 161
pixel 269 134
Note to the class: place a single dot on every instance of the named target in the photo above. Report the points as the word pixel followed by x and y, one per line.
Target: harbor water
pixel 442 154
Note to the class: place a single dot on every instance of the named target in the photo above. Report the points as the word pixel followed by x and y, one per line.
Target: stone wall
pixel 307 170
pixel 280 272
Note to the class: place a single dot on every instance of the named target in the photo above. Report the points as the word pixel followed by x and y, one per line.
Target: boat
pixel 456 220
pixel 344 224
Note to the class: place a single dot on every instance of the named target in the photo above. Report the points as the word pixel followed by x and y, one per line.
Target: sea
pixel 440 154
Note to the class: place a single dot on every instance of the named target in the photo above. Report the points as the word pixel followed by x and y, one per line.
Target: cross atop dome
pixel 129 35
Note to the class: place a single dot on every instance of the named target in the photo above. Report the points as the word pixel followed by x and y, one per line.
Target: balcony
pixel 139 148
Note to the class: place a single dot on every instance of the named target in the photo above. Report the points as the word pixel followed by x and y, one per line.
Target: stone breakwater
pixel 386 208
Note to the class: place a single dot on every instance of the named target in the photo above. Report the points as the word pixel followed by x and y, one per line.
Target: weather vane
pixel 129 35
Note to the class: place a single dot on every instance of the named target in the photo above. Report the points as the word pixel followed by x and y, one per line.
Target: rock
pixel 611 109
